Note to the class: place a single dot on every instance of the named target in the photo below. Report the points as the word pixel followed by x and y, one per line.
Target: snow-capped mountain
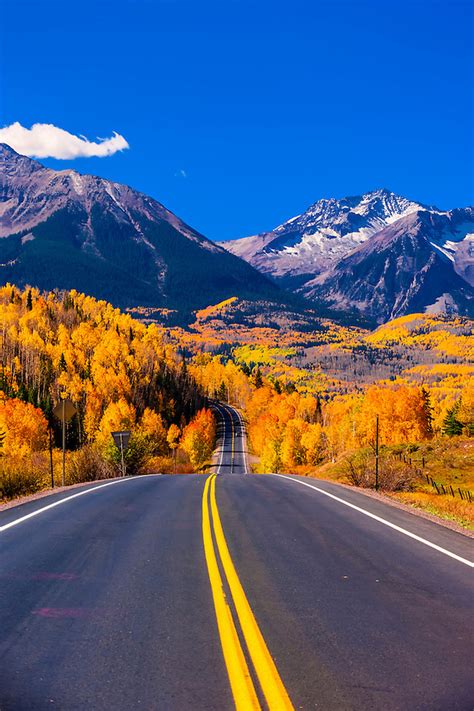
pixel 313 241
pixel 61 229
pixel 316 254
pixel 400 270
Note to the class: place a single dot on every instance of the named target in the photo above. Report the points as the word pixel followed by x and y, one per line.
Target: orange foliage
pixel 25 427
pixel 199 438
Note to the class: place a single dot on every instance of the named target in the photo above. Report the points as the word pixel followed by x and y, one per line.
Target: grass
pixel 447 460
pixel 447 507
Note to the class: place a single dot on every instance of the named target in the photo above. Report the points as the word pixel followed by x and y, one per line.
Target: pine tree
pixel 258 378
pixel 318 415
pixel 451 425
pixel 427 411
pixel 62 363
pixel 29 300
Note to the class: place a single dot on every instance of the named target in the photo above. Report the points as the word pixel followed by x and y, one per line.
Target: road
pixel 231 456
pixel 231 591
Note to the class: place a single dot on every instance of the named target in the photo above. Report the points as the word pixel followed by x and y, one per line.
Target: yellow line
pixel 241 682
pixel 272 686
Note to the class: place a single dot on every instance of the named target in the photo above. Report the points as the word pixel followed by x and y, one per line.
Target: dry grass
pixel 449 461
pixel 28 474
pixel 452 509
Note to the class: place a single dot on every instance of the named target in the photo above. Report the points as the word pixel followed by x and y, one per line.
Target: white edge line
pixel 381 520
pixel 63 501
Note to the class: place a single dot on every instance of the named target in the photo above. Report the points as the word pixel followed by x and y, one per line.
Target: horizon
pixel 238 117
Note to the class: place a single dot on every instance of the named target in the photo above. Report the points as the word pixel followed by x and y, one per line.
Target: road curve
pixel 122 598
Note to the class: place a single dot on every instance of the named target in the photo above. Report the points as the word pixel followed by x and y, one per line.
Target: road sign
pixel 64 410
pixel 121 439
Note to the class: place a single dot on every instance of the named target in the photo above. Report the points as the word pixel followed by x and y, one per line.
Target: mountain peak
pixel 6 150
pixel 62 229
pixel 330 228
pixel 304 253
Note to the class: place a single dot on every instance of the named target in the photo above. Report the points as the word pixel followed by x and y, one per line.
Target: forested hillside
pixel 311 399
pixel 118 372
pixel 310 389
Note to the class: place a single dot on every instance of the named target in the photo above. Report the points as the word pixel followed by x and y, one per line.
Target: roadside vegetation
pixel 120 375
pixel 313 410
pixel 310 392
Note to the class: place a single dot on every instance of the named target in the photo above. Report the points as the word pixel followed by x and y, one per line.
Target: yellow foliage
pixel 199 438
pixel 118 415
pixel 25 427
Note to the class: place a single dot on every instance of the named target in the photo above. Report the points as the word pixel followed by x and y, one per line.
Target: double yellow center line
pixel 241 682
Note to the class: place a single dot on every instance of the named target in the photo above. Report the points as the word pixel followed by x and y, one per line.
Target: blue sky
pixel 241 114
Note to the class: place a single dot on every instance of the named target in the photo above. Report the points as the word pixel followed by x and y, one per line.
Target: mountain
pixel 378 254
pixel 311 242
pixel 398 271
pixel 61 229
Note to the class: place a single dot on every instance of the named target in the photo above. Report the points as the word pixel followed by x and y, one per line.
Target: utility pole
pixel 51 468
pixel 376 453
pixel 121 453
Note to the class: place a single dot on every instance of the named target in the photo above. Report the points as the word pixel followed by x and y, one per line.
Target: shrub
pixel 394 475
pixel 137 455
pixel 89 464
pixel 22 475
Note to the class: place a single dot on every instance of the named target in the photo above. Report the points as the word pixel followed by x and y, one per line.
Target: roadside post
pixel 64 411
pixel 121 440
pixel 377 453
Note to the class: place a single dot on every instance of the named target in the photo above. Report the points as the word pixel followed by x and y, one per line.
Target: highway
pixel 231 455
pixel 231 591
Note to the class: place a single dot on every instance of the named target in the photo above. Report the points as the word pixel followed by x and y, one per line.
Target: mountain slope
pixel 399 271
pixel 335 253
pixel 313 241
pixel 60 229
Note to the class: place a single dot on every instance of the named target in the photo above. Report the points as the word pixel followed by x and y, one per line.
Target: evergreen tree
pixel 221 392
pixel 451 425
pixel 62 363
pixel 29 300
pixel 258 378
pixel 427 411
pixel 319 413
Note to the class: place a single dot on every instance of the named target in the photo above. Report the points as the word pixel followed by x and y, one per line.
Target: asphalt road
pixel 197 592
pixel 231 456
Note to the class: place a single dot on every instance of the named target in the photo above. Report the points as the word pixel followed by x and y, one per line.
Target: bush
pixel 89 464
pixel 394 475
pixel 137 455
pixel 22 475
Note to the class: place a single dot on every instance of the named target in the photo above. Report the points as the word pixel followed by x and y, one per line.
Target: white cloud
pixel 43 140
pixel 180 174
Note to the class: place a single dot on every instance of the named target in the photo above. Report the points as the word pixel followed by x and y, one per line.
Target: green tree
pixel 451 425
pixel 427 411
pixel 62 363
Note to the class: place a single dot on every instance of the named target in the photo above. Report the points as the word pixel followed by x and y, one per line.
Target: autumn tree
pixel 199 438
